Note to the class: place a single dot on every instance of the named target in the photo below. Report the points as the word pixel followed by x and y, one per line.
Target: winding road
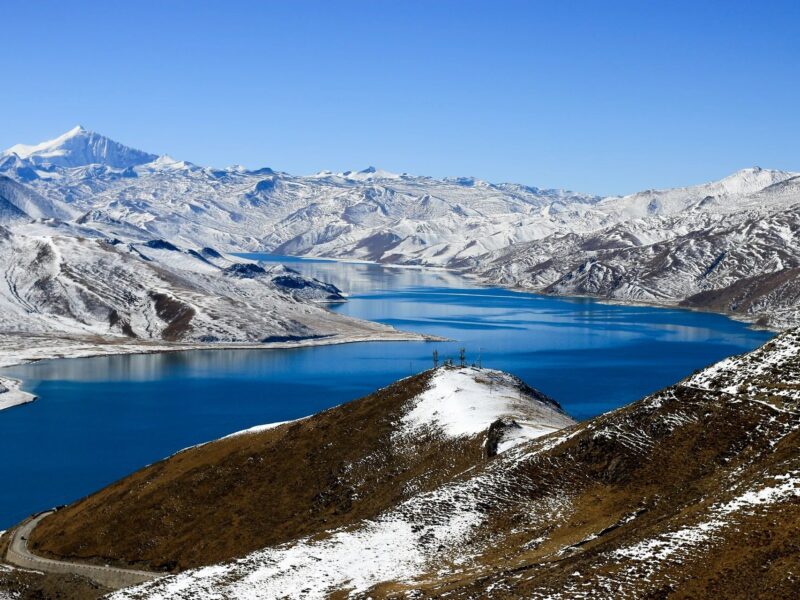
pixel 111 577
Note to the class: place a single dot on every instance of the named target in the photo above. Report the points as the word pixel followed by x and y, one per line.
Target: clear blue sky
pixel 603 97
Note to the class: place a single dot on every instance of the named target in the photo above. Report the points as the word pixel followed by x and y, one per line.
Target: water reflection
pixel 360 278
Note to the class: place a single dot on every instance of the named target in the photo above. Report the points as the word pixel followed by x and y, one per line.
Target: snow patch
pixel 12 395
pixel 466 401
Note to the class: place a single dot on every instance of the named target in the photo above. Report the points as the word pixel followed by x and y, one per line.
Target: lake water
pixel 98 419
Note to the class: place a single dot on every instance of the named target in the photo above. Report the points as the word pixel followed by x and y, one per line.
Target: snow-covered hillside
pixel 665 246
pixel 369 214
pixel 152 290
pixel 466 401
pixel 67 295
pixel 743 263
pixel 11 394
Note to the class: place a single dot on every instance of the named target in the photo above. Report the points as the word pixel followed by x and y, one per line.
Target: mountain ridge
pixel 549 241
pixel 80 147
pixel 337 479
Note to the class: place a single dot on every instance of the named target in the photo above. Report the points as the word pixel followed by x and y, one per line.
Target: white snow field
pixel 11 394
pixel 464 401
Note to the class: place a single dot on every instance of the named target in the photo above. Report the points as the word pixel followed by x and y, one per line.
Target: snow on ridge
pixel 466 401
pixel 730 373
pixel 46 148
pixel 260 428
pixel 80 147
pixel 395 546
pixel 663 547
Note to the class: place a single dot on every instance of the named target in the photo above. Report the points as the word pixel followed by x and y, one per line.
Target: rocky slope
pixel 728 245
pixel 744 264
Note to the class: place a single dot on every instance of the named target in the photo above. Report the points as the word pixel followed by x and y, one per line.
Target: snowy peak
pixel 754 179
pixel 80 147
pixel 468 400
pixel 167 163
pixel 723 196
pixel 368 174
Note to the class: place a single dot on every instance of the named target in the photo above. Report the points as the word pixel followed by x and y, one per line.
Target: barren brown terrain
pixel 238 494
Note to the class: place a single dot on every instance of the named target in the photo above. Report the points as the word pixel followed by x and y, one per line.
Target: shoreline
pixel 480 281
pixel 673 305
pixel 27 351
pixel 69 347
pixel 13 394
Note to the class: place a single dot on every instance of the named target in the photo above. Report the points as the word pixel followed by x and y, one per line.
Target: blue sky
pixel 603 97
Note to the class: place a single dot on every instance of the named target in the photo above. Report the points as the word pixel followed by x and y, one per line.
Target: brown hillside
pixel 622 507
pixel 693 492
pixel 238 494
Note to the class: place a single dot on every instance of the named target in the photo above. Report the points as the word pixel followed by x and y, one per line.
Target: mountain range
pixel 728 245
pixel 78 281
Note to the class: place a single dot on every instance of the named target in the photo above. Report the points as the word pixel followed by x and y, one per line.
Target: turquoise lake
pixel 98 419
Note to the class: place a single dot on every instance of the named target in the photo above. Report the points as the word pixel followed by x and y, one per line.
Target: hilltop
pixel 275 484
pixel 690 492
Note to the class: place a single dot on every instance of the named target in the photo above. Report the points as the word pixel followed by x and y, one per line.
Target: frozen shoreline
pixel 11 394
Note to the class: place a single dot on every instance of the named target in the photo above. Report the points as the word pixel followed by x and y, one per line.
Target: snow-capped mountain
pixel 663 246
pixel 369 214
pixel 80 276
pixel 78 148
pixel 115 292
pixel 741 258
pixel 731 194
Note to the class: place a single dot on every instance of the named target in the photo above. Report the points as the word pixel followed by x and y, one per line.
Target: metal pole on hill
pixel 462 356
pixel 435 359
